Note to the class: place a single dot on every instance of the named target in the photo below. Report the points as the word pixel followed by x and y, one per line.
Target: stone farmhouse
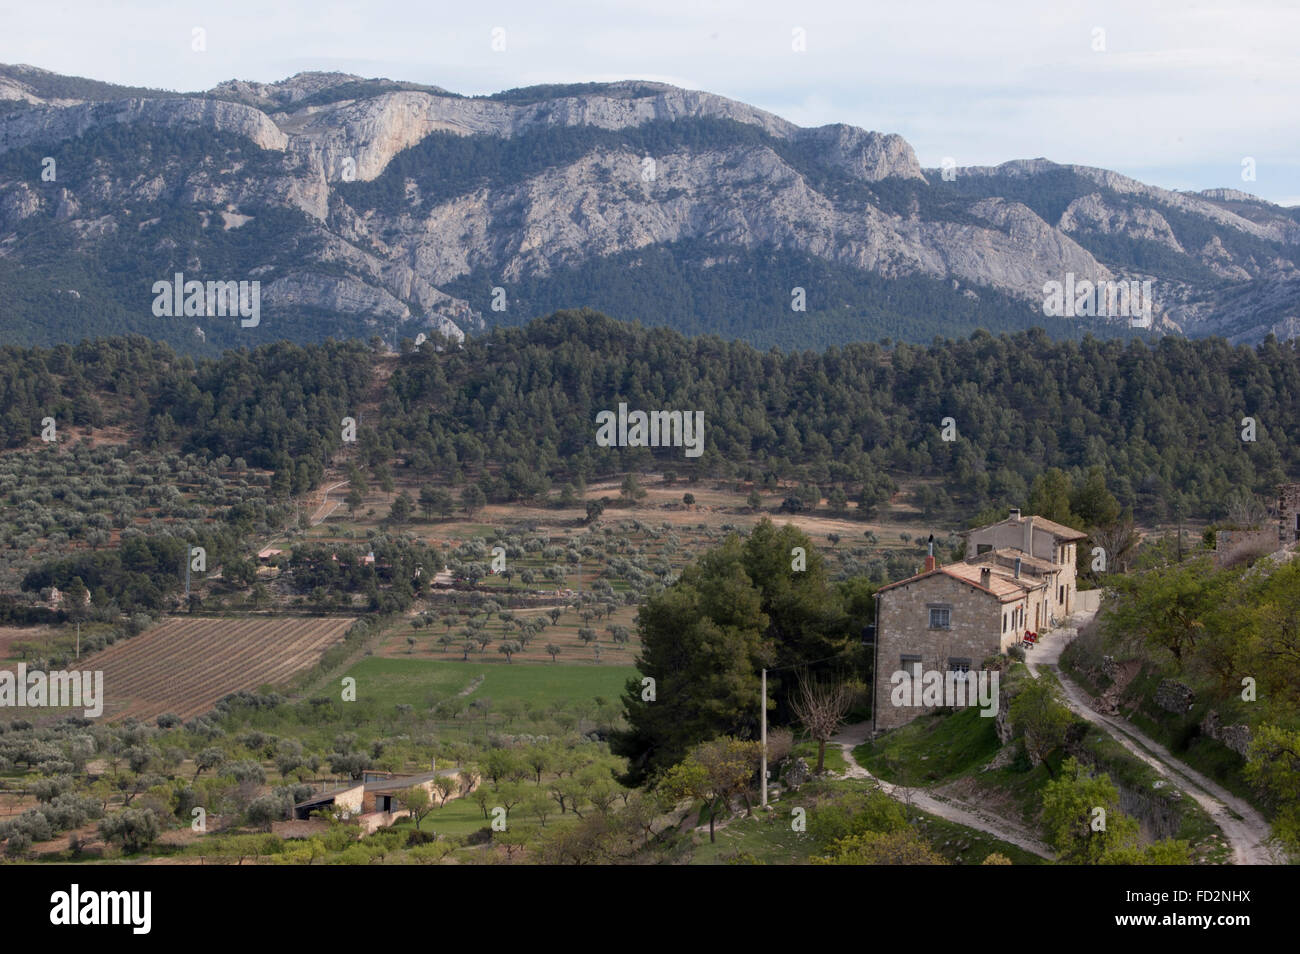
pixel 1018 576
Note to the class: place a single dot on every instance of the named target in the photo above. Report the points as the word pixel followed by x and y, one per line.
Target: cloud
pixel 1186 89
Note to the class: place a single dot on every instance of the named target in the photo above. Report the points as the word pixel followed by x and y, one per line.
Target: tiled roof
pixel 1010 555
pixel 1001 584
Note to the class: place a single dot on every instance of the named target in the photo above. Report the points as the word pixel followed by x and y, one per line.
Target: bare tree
pixel 1245 510
pixel 821 708
pixel 1117 541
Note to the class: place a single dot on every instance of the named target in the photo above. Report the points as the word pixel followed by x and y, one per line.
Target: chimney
pixel 1029 537
pixel 1015 513
pixel 986 577
pixel 929 563
pixel 1017 568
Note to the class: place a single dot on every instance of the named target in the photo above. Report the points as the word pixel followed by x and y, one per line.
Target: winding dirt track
pixel 930 801
pixel 1246 830
pixel 326 508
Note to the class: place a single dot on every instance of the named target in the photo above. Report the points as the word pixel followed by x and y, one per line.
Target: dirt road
pixel 1246 830
pixel 936 804
pixel 326 508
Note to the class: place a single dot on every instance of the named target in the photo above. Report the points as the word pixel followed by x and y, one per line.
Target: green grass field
pixel 769 838
pixel 394 681
pixel 834 756
pixel 460 816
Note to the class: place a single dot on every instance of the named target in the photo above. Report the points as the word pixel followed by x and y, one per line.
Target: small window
pixel 910 663
pixel 958 665
pixel 986 547
pixel 1004 622
pixel 940 618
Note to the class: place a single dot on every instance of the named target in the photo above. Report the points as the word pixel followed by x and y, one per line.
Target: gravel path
pixel 1246 830
pixel 936 804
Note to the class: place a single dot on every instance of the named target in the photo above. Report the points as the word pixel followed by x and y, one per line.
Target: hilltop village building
pixel 1018 576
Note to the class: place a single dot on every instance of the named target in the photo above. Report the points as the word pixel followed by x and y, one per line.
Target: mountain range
pixel 367 207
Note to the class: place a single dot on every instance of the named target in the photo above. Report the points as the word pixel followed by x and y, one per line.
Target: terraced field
pixel 185 665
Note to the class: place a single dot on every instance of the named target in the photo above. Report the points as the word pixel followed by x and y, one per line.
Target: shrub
pixel 135 828
pixel 856 814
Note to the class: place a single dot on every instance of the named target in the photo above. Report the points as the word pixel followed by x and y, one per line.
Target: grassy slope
pixel 931 749
pixel 771 839
pixel 395 681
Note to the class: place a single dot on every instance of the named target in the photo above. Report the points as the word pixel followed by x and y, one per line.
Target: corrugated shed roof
pixel 395 784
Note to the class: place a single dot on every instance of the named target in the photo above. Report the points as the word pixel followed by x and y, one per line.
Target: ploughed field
pixel 185 665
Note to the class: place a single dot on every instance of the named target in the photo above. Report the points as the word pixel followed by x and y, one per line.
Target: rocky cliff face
pixel 721 174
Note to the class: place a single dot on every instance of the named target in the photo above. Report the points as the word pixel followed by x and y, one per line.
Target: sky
pixel 1177 94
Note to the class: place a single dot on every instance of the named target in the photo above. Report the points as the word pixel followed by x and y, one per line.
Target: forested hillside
pixel 514 411
pixel 1163 421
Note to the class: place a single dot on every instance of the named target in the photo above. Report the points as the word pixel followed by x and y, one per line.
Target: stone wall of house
pixel 904 629
pixel 1069 578
pixel 1006 536
pixel 1288 505
pixel 1043 545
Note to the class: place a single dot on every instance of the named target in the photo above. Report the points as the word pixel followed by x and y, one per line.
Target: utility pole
pixel 763 710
